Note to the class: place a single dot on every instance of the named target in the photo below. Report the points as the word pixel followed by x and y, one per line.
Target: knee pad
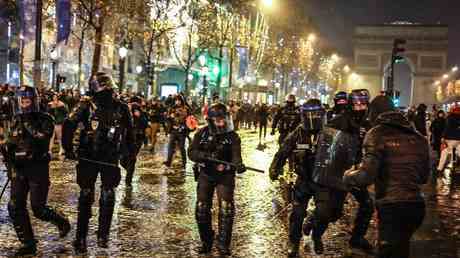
pixel 108 197
pixel 203 212
pixel 227 208
pixel 86 196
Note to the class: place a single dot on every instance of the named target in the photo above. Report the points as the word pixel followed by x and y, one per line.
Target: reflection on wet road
pixel 156 217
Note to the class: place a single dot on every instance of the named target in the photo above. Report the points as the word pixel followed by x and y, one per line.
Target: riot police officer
pixel 338 150
pixel 106 129
pixel 214 142
pixel 177 130
pixel 302 143
pixel 140 122
pixel 26 154
pixel 287 118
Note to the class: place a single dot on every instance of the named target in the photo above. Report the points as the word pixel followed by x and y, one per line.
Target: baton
pixel 233 165
pixel 99 162
pixel 4 188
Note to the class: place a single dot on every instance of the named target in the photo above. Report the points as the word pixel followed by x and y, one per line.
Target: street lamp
pixel 455 68
pixel 54 59
pixel 139 69
pixel 445 76
pixel 311 37
pixel 122 52
pixel 346 69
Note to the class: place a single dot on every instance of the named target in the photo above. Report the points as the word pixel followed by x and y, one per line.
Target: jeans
pixel 397 223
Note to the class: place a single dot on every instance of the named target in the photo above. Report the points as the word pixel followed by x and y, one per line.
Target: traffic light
pixel 396 98
pixel 398 50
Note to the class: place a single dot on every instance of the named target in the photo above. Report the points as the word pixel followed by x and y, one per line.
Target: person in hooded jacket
pixel 420 119
pixel 216 142
pixel 397 161
pixel 450 136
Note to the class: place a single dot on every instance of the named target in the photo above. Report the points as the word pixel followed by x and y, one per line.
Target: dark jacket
pixel 395 158
pixel 225 147
pixel 437 128
pixel 420 122
pixel 452 131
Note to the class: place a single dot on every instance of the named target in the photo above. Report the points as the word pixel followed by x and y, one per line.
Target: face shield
pixel 26 101
pixel 102 90
pixel 219 120
pixel 312 117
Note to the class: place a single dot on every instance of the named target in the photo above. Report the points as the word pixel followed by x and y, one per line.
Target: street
pixel 156 218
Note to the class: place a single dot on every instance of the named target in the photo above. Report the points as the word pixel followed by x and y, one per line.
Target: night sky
pixel 335 19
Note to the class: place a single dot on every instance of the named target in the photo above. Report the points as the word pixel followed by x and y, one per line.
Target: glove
pixel 240 169
pixel 274 174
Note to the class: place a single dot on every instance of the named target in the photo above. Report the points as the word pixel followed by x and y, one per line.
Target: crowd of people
pixel 332 152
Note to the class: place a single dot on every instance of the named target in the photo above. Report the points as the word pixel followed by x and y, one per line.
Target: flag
pixel 27 17
pixel 63 20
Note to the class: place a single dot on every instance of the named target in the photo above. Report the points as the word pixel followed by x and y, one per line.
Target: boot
pixel 308 225
pixel 226 215
pixel 318 245
pixel 361 244
pixel 79 246
pixel 293 250
pixel 58 219
pixel 28 248
pixel 107 203
pixel 206 246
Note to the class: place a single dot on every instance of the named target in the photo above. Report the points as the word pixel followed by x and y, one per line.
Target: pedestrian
pixel 177 130
pixel 216 141
pixel 28 161
pixel 262 120
pixel 59 111
pixel 451 137
pixel 107 131
pixel 286 119
pixel 437 129
pixel 302 143
pixel 420 119
pixel 397 161
pixel 155 115
pixel 140 123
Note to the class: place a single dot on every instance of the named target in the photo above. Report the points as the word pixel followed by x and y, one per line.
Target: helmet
pixel 380 105
pixel 340 102
pixel 290 98
pixel 312 113
pixel 102 88
pixel 216 113
pixel 27 100
pixel 359 97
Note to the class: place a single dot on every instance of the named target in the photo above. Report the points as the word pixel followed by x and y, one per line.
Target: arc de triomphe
pixel 426 54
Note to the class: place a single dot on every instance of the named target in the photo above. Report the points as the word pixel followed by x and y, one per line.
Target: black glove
pixel 241 168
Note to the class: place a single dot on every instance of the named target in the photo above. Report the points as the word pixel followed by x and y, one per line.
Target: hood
pixel 394 119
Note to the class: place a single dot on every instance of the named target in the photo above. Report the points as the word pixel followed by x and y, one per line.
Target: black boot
pixel 58 219
pixel 293 250
pixel 204 221
pixel 84 214
pixel 28 248
pixel 226 215
pixel 107 203
pixel 318 245
pixel 362 244
pixel 79 246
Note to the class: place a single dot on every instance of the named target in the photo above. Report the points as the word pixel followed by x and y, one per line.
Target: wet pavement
pixel 156 217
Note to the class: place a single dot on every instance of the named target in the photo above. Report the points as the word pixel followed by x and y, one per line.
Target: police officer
pixel 140 123
pixel 106 128
pixel 26 154
pixel 177 116
pixel 338 150
pixel 216 141
pixel 397 160
pixel 286 119
pixel 302 143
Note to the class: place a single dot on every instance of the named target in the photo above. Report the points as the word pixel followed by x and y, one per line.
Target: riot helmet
pixel 340 102
pixel 27 100
pixel 219 119
pixel 312 113
pixel 102 88
pixel 290 100
pixel 359 102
